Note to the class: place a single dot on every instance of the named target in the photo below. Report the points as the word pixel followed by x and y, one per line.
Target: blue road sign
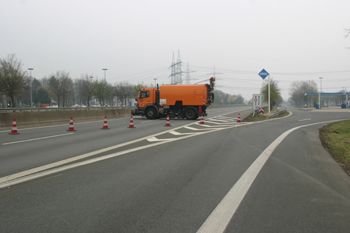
pixel 263 74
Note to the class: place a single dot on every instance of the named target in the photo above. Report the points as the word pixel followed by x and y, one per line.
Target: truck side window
pixel 144 94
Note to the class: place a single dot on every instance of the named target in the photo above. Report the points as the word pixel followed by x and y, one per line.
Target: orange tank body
pixel 195 95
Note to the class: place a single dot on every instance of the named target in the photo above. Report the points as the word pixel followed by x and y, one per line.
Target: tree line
pixel 298 98
pixel 59 88
pixel 222 98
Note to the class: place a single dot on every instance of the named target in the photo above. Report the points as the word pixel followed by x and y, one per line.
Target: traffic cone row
pixel 105 124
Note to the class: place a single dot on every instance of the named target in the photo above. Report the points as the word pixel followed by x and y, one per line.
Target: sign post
pixel 257 102
pixel 263 74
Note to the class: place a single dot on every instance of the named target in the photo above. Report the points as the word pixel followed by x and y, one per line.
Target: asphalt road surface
pixel 220 176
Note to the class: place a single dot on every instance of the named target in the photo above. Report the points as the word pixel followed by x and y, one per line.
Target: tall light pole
pixel 319 99
pixel 104 69
pixel 31 87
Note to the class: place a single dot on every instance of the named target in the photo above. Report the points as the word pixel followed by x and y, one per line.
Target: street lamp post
pixel 319 97
pixel 104 69
pixel 31 87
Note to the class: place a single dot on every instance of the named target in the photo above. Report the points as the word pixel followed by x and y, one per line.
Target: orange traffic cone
pixel 14 127
pixel 202 120
pixel 239 117
pixel 167 121
pixel 71 126
pixel 131 125
pixel 105 124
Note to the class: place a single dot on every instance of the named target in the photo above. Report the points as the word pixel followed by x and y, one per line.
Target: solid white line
pixel 218 120
pixel 194 129
pixel 154 139
pixel 177 133
pixel 35 139
pixel 223 213
pixel 307 119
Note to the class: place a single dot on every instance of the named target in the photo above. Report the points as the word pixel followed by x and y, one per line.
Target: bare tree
pixel 298 89
pixel 86 87
pixel 137 89
pixel 124 90
pixel 60 84
pixel 12 78
pixel 103 91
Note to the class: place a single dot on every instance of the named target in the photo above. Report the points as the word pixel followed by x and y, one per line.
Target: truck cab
pixel 145 103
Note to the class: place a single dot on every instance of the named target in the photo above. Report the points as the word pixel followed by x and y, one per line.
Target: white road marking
pixel 178 134
pixel 219 219
pixel 195 129
pixel 215 126
pixel 154 139
pixel 35 139
pixel 83 156
pixel 217 120
pixel 307 119
pixel 16 179
pixel 30 172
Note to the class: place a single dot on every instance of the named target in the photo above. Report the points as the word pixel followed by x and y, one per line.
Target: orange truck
pixel 181 101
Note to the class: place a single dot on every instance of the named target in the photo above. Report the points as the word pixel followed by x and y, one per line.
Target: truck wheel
pixel 190 114
pixel 151 113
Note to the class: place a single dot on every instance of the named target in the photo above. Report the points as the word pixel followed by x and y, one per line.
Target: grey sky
pixel 135 40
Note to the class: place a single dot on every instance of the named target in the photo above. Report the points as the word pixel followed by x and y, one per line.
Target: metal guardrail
pixel 279 112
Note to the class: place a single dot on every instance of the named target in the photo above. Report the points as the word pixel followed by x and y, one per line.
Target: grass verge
pixel 259 117
pixel 335 139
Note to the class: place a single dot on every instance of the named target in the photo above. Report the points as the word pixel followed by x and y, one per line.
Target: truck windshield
pixel 144 94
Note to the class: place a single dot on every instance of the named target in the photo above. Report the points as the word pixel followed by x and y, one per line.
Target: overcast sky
pixel 135 40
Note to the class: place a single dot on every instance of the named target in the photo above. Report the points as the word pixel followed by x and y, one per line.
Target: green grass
pixel 336 139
